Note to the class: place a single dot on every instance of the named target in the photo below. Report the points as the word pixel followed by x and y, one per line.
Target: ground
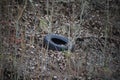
pixel 94 33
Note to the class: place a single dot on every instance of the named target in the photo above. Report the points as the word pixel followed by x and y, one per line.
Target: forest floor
pixel 97 42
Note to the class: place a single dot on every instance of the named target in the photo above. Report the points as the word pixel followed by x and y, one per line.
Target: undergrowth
pixel 24 25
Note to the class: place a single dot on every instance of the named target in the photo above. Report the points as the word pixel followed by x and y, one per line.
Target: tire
pixel 56 42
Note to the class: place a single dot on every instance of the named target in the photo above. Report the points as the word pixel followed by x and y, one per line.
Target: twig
pixel 81 20
pixel 21 11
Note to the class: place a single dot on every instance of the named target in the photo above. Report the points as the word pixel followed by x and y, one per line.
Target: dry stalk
pixel 20 13
pixel 81 20
pixel 23 31
pixel 106 34
pixel 21 10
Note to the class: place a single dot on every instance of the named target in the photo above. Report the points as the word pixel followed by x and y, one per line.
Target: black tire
pixel 56 42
